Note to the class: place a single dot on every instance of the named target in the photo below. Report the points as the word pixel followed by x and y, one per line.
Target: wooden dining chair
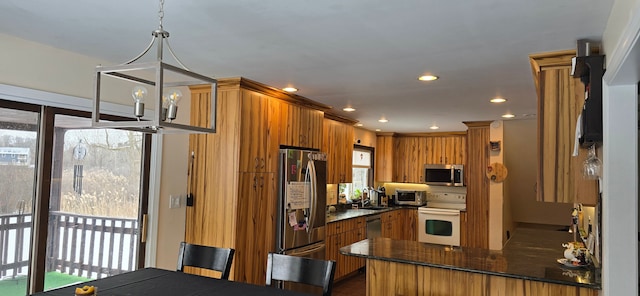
pixel 213 258
pixel 302 270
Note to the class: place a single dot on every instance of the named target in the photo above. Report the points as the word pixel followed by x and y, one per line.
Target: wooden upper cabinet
pixel 301 126
pixel 455 149
pixel 411 153
pixel 406 159
pixel 259 116
pixel 560 101
pixel 446 149
pixel 384 158
pixel 338 144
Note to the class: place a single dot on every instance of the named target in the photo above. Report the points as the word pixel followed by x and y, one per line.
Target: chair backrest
pixel 308 271
pixel 218 259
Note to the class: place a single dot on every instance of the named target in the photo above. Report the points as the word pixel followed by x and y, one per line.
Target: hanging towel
pixel 576 143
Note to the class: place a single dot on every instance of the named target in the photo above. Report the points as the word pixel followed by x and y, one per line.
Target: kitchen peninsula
pixel 526 266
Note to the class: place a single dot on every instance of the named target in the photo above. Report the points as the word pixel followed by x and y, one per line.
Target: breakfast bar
pixel 527 265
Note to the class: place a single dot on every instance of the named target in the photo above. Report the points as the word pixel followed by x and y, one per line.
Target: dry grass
pixel 103 194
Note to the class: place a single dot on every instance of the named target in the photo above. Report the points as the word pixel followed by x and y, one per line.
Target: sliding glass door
pixel 94 205
pixel 72 199
pixel 18 155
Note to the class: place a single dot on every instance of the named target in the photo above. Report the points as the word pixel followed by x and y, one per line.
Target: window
pixel 362 176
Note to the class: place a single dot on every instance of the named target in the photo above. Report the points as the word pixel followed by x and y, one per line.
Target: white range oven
pixel 439 220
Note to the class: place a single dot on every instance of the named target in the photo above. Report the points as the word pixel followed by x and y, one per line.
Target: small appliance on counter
pixel 410 197
pixel 378 197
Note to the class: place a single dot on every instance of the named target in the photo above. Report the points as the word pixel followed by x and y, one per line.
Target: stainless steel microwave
pixel 444 174
pixel 411 197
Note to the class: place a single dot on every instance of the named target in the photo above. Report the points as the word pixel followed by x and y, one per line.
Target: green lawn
pixel 18 286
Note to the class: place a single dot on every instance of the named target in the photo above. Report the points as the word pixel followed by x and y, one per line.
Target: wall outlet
pixel 174 201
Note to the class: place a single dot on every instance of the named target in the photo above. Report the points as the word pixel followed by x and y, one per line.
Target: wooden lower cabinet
pixel 340 234
pixel 409 279
pixel 411 224
pixel 400 224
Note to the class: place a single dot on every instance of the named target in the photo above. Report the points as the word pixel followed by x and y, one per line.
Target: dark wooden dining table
pixel 160 282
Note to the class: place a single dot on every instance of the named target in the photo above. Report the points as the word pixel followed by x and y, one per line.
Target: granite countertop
pixel 355 213
pixel 531 254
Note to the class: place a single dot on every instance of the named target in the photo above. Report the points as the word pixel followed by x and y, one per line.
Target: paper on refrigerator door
pixel 297 195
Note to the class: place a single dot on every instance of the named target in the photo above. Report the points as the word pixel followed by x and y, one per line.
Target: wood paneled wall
pixel 477 223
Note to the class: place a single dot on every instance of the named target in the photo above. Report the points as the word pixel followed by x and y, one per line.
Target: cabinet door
pixel 453 149
pixel 332 249
pixel 436 154
pixel 384 158
pixel 338 139
pixel 254 226
pixel 399 160
pixel 301 127
pixel 329 147
pixel 410 218
pixel 406 161
pixel 257 154
pixel 312 124
pixel 463 229
pixel 386 219
pixel 346 151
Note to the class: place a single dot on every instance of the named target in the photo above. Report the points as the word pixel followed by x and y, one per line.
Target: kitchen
pixel 168 226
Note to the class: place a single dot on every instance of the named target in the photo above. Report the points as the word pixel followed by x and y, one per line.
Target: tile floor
pixel 352 286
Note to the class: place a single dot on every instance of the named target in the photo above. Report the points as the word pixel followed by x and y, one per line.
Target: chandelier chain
pixel 161 12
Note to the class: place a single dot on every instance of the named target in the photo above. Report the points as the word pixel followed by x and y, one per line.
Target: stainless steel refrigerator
pixel 302 194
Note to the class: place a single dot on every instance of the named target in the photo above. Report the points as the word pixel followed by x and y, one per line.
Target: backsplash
pixel 391 188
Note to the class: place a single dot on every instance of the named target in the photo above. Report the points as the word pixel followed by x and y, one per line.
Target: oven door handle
pixel 441 213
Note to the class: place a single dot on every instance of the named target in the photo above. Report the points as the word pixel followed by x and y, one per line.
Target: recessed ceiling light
pixel 383 120
pixel 377 130
pixel 498 100
pixel 348 109
pixel 508 115
pixel 428 78
pixel 434 127
pixel 290 89
pixel 359 124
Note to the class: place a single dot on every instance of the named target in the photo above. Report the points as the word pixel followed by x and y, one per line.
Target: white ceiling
pixel 365 54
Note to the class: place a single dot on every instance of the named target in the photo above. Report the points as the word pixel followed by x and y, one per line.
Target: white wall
pixel 35 66
pixel 620 151
pixel 521 159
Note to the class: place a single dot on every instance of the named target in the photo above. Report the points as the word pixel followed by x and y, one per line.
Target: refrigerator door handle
pixel 304 252
pixel 314 192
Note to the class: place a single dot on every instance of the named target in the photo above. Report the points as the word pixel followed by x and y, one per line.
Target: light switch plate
pixel 174 201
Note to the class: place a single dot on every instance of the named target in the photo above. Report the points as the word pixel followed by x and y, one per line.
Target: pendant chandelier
pixel 155 90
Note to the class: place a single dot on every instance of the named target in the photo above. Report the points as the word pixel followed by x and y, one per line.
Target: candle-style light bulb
pixel 139 93
pixel 165 107
pixel 174 96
